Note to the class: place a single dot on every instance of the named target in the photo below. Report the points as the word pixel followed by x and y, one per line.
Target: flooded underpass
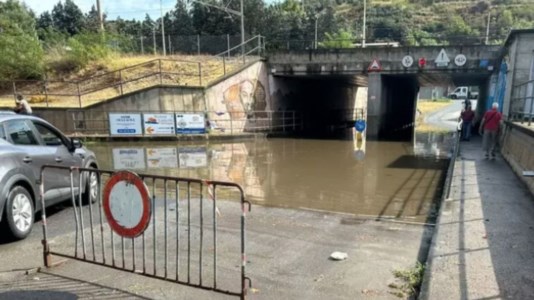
pixel 365 178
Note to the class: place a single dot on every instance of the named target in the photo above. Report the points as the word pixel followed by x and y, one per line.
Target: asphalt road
pixel 447 117
pixel 287 252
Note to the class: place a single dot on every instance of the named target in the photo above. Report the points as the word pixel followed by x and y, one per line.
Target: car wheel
pixel 19 213
pixel 92 188
pixel 453 96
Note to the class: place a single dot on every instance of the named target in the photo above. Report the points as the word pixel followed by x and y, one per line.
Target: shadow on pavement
pixel 42 285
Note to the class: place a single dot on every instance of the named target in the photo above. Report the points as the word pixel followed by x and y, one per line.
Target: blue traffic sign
pixel 359 125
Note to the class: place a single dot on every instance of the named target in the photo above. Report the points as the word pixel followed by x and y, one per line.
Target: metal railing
pixel 97 122
pixel 65 93
pixel 180 243
pixel 522 103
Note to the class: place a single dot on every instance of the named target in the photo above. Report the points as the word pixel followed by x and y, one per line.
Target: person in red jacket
pixel 489 127
pixel 467 116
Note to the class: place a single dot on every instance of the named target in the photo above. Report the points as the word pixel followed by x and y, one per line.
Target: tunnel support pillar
pixel 374 105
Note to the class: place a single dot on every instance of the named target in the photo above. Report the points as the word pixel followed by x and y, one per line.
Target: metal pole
pixel 364 22
pixel 162 28
pixel 79 94
pixel 198 44
pixel 316 19
pixel 142 43
pixel 488 28
pixel 154 38
pixel 228 44
pixel 242 31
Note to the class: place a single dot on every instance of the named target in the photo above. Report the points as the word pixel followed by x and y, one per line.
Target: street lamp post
pixel 315 43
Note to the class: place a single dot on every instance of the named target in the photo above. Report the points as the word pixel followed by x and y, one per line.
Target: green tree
pixel 182 23
pixel 22 55
pixel 68 17
pixel 457 31
pixel 338 40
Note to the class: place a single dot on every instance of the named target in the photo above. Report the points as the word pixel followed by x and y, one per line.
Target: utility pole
pixel 170 45
pixel 315 43
pixel 100 19
pixel 162 27
pixel 364 22
pixel 488 28
pixel 242 31
pixel 154 38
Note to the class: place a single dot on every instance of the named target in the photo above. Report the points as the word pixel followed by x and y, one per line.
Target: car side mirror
pixel 76 143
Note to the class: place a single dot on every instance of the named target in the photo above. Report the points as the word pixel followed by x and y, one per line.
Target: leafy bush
pixel 86 47
pixel 341 39
pixel 22 55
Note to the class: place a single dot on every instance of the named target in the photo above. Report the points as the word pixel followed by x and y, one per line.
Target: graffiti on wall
pixel 245 98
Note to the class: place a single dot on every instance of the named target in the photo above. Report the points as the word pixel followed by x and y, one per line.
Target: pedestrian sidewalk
pixel 483 247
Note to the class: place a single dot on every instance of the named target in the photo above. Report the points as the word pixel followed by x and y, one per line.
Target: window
pixel 49 137
pixel 20 133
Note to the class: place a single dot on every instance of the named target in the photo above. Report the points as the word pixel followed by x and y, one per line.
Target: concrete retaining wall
pixel 230 102
pixel 517 144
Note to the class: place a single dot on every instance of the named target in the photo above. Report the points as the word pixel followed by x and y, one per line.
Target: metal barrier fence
pixel 97 122
pixel 522 103
pixel 185 241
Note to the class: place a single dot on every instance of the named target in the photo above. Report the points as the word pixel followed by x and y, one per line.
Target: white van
pixel 463 92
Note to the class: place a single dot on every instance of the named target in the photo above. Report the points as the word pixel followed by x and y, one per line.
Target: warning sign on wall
pixel 375 66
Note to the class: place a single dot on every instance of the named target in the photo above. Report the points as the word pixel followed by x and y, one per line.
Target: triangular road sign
pixel 443 59
pixel 375 66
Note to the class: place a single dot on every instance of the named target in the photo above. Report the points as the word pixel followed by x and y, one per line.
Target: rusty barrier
pixel 183 242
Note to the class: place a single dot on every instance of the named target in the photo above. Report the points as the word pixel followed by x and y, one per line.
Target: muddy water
pixel 371 178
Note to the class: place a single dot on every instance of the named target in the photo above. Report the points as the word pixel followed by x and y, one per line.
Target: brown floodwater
pixel 364 178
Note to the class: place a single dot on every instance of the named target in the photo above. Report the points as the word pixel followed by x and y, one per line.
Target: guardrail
pixel 522 103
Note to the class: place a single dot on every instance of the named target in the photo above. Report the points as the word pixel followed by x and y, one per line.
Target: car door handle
pixel 27 159
pixel 59 159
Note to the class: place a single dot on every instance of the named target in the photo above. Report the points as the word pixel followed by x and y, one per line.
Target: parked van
pixel 463 92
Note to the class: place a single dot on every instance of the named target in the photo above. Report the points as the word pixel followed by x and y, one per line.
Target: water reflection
pixel 388 179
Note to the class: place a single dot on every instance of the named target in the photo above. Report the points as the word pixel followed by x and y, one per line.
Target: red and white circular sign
pixel 127 204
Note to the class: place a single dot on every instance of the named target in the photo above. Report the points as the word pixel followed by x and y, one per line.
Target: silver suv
pixel 26 144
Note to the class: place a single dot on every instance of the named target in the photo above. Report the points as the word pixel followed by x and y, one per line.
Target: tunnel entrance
pixel 326 104
pixel 399 100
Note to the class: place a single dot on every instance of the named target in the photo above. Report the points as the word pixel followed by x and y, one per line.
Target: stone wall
pixel 517 144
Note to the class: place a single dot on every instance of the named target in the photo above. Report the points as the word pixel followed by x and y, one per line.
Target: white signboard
pixel 407 61
pixel 158 124
pixel 460 60
pixel 443 59
pixel 162 157
pixel 128 158
pixel 190 123
pixel 125 124
pixel 193 157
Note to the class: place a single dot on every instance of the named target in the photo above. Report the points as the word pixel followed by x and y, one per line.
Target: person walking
pixel 489 128
pixel 22 106
pixel 467 116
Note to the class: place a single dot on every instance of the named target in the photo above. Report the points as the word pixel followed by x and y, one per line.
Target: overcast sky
pixel 126 9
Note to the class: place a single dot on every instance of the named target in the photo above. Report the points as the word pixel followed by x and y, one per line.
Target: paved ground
pixel 288 254
pixel 483 247
pixel 447 117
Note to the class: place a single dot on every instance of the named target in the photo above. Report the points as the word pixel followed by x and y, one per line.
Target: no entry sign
pixel 127 204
